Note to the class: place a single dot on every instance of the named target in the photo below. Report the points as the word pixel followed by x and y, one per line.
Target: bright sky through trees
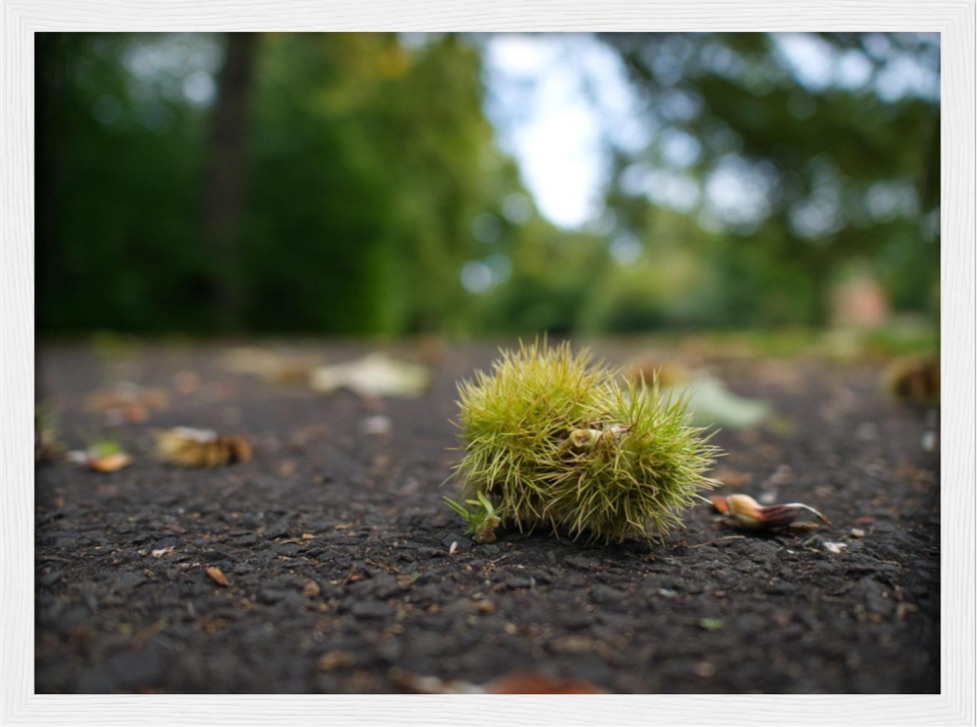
pixel 554 97
pixel 546 181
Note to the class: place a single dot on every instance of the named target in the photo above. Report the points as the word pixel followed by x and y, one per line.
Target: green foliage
pixel 118 165
pixel 104 447
pixel 849 168
pixel 366 163
pixel 555 440
pixel 369 166
pixel 481 520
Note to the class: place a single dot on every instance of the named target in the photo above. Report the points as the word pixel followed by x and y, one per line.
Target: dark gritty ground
pixel 338 549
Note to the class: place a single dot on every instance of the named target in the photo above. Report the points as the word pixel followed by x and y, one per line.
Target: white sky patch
pixel 625 250
pixel 811 58
pixel 199 88
pixel 554 100
pixel 663 186
pixel 738 192
pixel 817 65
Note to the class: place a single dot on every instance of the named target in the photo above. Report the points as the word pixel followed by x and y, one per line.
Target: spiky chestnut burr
pixel 556 440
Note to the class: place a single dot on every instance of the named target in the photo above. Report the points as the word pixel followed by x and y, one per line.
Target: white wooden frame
pixel 20 19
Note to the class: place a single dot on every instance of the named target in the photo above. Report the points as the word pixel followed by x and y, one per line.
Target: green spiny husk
pixel 556 440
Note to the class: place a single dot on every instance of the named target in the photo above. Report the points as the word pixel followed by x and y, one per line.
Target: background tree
pixel 351 184
pixel 225 183
pixel 843 166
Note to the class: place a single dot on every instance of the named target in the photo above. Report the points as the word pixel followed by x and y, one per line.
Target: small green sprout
pixel 557 441
pixel 482 521
pixel 104 448
pixel 101 455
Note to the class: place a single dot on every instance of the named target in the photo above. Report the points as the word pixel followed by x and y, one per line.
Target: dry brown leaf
pixel 273 366
pixel 189 447
pixel 127 403
pixel 748 514
pixel 914 379
pixel 532 683
pixel 110 463
pixel 514 683
pixel 217 576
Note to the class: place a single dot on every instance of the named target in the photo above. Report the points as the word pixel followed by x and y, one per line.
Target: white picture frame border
pixel 21 19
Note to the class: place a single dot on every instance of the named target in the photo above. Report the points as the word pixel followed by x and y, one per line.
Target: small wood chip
pixel 484 607
pixel 217 576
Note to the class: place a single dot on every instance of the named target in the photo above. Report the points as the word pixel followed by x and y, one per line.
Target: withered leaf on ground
pixel 748 514
pixel 190 447
pixel 376 375
pixel 518 682
pixel 110 463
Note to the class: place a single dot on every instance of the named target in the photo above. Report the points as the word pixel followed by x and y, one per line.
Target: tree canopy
pixel 352 184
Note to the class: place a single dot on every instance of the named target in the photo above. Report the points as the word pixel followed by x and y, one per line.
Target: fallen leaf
pixel 110 463
pixel 376 375
pixel 217 576
pixel 531 683
pixel 127 403
pixel 514 683
pixel 914 379
pixel 748 514
pixel 712 404
pixel 190 447
pixel 272 366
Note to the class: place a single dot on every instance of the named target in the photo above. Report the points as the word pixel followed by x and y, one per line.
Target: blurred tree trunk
pixel 225 182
